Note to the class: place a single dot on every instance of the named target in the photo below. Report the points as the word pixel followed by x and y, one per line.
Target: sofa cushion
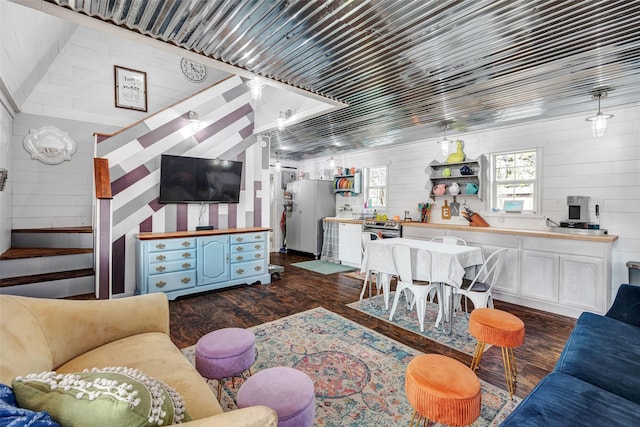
pixel 604 352
pixel 113 396
pixel 155 355
pixel 565 401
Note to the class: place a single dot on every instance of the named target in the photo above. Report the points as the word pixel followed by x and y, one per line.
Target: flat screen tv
pixel 196 180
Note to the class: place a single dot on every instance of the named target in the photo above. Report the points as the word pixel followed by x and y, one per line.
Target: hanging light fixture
pixel 256 85
pixel 278 165
pixel 599 121
pixel 332 163
pixel 444 142
pixel 281 121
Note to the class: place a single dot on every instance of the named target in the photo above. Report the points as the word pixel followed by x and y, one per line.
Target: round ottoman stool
pixel 443 390
pixel 497 327
pixel 225 353
pixel 287 391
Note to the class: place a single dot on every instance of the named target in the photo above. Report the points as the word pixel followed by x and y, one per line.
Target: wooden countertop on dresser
pixel 200 233
pixel 605 238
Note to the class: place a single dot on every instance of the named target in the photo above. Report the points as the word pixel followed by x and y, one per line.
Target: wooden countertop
pixel 605 238
pixel 343 220
pixel 201 233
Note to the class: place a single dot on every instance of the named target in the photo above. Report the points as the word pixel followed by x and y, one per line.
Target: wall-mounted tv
pixel 196 180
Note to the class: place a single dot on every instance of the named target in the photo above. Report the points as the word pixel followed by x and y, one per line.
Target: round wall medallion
pixel 192 70
pixel 49 144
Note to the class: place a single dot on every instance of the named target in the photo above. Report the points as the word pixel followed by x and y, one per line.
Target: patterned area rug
pixel 323 267
pixel 358 373
pixel 459 339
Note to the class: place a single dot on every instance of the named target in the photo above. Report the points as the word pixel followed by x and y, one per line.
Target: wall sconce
pixel 281 121
pixel 256 85
pixel 4 174
pixel 444 142
pixel 599 121
pixel 194 120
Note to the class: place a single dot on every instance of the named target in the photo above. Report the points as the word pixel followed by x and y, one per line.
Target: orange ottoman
pixel 443 390
pixel 497 327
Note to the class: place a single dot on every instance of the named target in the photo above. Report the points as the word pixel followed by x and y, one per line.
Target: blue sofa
pixel 597 378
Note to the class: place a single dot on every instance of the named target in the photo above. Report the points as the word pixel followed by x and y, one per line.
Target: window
pixel 515 177
pixel 376 186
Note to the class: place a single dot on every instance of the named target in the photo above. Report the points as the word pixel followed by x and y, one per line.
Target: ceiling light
pixel 281 121
pixel 256 85
pixel 444 142
pixel 599 121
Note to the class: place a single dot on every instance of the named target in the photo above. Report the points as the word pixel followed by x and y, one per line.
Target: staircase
pixel 48 263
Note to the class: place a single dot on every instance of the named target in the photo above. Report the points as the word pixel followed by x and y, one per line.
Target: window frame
pixel 537 182
pixel 368 186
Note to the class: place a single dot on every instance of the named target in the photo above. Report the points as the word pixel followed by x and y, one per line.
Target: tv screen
pixel 196 180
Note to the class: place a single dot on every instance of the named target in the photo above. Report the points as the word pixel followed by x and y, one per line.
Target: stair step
pixel 57 287
pixel 29 261
pixel 45 277
pixel 58 237
pixel 23 253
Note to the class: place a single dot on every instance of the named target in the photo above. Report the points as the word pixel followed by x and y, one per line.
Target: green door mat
pixel 323 267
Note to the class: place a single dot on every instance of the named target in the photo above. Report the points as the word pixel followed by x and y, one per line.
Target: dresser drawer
pixel 168 256
pixel 171 281
pixel 248 247
pixel 248 238
pixel 172 244
pixel 246 256
pixel 248 269
pixel 169 267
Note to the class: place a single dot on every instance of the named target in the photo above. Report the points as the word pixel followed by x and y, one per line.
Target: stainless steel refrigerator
pixel 312 201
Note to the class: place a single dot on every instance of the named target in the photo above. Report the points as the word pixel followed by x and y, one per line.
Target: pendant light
pixel 281 121
pixel 599 121
pixel 444 142
pixel 256 85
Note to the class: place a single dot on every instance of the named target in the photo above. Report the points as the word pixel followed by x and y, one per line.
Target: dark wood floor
pixel 299 290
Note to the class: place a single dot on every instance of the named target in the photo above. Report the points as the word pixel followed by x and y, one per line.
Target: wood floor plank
pixel 299 290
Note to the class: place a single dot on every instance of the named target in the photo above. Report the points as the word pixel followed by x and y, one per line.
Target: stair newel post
pixel 103 220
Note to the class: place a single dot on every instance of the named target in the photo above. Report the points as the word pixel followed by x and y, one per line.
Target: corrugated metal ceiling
pixel 403 65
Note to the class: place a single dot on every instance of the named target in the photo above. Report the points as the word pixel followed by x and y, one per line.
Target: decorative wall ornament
pixel 49 144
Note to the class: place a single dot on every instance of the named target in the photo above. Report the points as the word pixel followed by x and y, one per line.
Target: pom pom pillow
pixel 108 396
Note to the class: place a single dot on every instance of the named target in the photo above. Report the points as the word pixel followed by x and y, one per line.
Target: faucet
pixel 345 207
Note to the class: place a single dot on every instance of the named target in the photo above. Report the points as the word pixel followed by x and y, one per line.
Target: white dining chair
pixel 382 280
pixel 478 290
pixel 414 291
pixel 451 240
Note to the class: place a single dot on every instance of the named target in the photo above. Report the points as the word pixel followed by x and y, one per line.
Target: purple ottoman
pixel 287 391
pixel 225 353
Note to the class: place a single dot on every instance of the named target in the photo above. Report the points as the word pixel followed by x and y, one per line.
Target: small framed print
pixel 131 88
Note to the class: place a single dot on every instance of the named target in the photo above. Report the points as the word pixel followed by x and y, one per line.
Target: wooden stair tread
pixel 46 277
pixel 22 253
pixel 81 229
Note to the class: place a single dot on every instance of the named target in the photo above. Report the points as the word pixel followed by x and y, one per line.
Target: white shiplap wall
pixel 573 163
pixel 6 194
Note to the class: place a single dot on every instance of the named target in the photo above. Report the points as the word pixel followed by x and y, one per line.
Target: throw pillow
pixel 115 396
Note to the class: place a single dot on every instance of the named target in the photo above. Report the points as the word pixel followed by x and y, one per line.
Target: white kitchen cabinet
pixel 539 275
pixel 350 244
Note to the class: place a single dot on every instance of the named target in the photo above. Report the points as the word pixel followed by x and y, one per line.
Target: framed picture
pixel 131 88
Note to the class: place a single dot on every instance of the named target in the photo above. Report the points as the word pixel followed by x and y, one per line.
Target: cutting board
pixel 446 210
pixel 455 207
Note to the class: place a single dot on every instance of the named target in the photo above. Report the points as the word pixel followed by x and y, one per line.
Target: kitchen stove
pixel 388 228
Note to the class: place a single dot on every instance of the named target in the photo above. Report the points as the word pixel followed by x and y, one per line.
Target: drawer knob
pixel 161 257
pixel 258 246
pixel 185 279
pixel 161 284
pixel 258 255
pixel 258 237
pixel 257 268
pixel 186 255
pixel 161 268
pixel 239 239
pixel 160 246
pixel 239 258
pixel 240 271
pixel 186 265
pixel 186 244
pixel 239 249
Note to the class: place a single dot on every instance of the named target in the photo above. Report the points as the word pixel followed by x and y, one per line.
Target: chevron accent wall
pixel 225 132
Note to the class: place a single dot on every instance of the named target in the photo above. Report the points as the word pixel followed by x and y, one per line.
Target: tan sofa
pixel 38 335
